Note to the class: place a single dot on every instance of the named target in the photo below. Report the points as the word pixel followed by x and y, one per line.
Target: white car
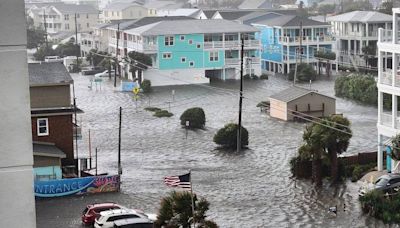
pixel 107 218
pixel 104 74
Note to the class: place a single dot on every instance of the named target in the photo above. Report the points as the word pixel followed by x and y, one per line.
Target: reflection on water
pixel 250 189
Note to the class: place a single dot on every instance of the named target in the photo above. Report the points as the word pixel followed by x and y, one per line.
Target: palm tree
pixel 176 211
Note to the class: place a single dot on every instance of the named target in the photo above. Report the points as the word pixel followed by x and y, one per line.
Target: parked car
pixel 134 223
pixel 107 218
pixel 52 59
pixel 388 183
pixel 105 73
pixel 92 70
pixel 92 211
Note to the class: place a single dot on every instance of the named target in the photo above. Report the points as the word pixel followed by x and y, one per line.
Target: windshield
pixel 381 181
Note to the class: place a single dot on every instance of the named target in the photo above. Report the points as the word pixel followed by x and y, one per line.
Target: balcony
pixel 236 61
pixel 386 77
pixel 232 44
pixel 306 39
pixel 140 47
pixel 386 120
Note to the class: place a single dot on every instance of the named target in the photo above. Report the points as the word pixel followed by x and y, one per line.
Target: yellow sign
pixel 136 90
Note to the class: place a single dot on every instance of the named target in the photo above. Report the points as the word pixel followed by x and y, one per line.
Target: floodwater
pixel 250 189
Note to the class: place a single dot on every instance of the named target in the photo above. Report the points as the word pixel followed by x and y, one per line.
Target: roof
pixel 258 16
pixel 47 149
pixel 192 27
pixel 255 4
pixel 234 14
pixel 129 221
pixel 292 93
pixel 209 13
pixel 147 20
pixel 291 21
pixel 118 6
pixel 155 4
pixel 73 8
pixel 185 12
pixel 45 74
pixel 361 16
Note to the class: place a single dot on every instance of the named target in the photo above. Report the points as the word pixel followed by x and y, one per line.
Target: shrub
pixel 195 116
pixel 227 136
pixel 146 86
pixel 357 173
pixel 152 109
pixel 263 104
pixel 264 77
pixel 246 77
pixel 305 73
pixel 255 77
pixel 163 113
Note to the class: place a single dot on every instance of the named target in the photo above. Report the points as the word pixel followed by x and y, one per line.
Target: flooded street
pixel 250 189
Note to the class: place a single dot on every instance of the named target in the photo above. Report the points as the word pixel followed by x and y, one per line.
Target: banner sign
pixel 128 86
pixel 76 186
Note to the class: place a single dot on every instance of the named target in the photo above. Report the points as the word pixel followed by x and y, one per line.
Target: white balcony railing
pixel 232 61
pixel 386 77
pixel 306 39
pixel 231 44
pixel 386 119
pixel 236 61
pixel 385 36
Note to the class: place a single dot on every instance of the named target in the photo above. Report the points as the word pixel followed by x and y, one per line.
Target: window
pixel 66 26
pixel 87 16
pixel 167 55
pixel 183 59
pixel 87 25
pixel 214 56
pixel 42 127
pixel 208 38
pixel 66 17
pixel 190 41
pixel 198 45
pixel 169 41
pixel 191 64
pixel 182 37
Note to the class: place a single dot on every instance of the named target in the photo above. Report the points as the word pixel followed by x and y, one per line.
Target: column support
pixel 380 152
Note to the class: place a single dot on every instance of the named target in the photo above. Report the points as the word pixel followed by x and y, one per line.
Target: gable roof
pixel 47 149
pixel 255 4
pixel 258 16
pixel 234 14
pixel 361 16
pixel 73 8
pixel 46 74
pixel 185 12
pixel 156 4
pixel 130 24
pixel 191 27
pixel 209 13
pixel 294 92
pixel 118 6
pixel 291 21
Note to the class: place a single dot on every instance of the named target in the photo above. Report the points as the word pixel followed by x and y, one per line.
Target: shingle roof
pixel 130 24
pixel 258 16
pixel 209 13
pixel 292 93
pixel 191 27
pixel 234 14
pixel 361 16
pixel 255 4
pixel 73 8
pixel 43 74
pixel 47 149
pixel 155 4
pixel 290 21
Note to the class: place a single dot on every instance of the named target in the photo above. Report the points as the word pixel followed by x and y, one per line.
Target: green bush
pixel 227 136
pixel 357 173
pixel 255 77
pixel 195 116
pixel 163 113
pixel 379 206
pixel 305 73
pixel 264 77
pixel 152 109
pixel 246 77
pixel 146 86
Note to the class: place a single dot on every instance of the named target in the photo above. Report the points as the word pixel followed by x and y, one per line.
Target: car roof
pixel 390 176
pixel 121 222
pixel 98 205
pixel 109 213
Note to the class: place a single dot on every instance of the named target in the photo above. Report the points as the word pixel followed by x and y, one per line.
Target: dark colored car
pixel 92 211
pixel 388 183
pixel 92 70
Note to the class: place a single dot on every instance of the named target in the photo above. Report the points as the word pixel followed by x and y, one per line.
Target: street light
pixel 187 124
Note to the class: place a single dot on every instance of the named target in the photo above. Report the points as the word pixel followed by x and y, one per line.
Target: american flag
pixel 182 181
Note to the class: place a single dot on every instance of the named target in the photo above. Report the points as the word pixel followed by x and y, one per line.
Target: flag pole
pixel 191 193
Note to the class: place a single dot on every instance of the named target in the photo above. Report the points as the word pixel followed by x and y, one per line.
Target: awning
pixel 47 150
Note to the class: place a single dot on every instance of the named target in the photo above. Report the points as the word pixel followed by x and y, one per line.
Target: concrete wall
pixel 50 96
pixel 315 100
pixel 175 77
pixel 60 133
pixel 15 138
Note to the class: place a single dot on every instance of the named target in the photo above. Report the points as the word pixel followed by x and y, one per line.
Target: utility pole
pixel 77 44
pixel 239 132
pixel 96 161
pixel 119 148
pixel 45 28
pixel 90 151
pixel 116 57
pixel 301 41
pixel 76 138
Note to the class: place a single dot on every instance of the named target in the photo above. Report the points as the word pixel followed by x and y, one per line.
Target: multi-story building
pixel 60 17
pixel 192 51
pixel 51 119
pixel 126 10
pixel 355 30
pixel 289 39
pixel 388 86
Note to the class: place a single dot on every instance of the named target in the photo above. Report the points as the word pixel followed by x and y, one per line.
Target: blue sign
pixel 64 187
pixel 128 86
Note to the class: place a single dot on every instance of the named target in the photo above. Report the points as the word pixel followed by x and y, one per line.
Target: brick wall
pixel 60 133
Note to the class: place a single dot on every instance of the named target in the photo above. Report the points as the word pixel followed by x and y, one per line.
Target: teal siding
pixel 183 49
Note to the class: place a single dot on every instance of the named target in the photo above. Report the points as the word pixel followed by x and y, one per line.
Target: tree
pixel 146 86
pixel 395 147
pixel 176 211
pixel 35 37
pixel 353 5
pixel 139 62
pixel 95 57
pixel 387 7
pixel 195 116
pixel 325 56
pixel 68 49
pixel 305 73
pixel 44 51
pixel 227 136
